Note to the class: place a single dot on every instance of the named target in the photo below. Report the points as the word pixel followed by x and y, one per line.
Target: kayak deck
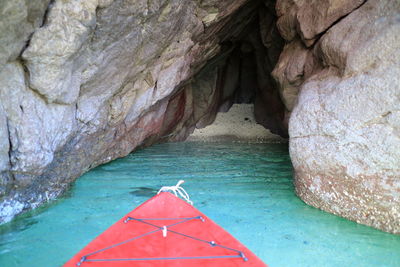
pixel 165 231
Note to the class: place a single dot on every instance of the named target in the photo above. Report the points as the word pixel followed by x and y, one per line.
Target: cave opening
pixel 239 74
pixel 245 78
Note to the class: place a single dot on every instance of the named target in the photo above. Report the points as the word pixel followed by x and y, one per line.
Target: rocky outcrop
pixel 344 126
pixel 84 82
pixel 92 83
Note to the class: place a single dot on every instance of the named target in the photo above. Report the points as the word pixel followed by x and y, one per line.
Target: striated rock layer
pixel 343 90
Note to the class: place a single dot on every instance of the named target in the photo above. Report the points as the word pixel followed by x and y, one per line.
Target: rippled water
pixel 245 188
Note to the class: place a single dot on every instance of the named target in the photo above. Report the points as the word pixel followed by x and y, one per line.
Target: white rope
pixel 177 190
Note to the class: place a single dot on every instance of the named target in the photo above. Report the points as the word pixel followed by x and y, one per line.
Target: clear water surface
pixel 245 188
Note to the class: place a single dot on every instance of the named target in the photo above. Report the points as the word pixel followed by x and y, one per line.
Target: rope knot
pixel 177 190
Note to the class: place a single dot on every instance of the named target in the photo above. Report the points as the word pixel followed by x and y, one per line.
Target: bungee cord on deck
pixel 239 254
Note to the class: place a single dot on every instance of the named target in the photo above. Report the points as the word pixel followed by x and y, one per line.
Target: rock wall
pixel 339 75
pixel 83 82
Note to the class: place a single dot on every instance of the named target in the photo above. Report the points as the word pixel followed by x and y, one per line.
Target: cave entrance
pixel 241 75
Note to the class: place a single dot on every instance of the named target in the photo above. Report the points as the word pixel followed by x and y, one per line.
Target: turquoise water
pixel 245 188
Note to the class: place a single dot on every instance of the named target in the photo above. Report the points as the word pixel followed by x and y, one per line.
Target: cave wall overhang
pixel 89 81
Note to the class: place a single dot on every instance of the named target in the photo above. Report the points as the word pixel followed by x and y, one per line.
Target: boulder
pixel 345 129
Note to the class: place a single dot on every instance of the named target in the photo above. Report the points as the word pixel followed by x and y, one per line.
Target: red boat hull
pixel 191 239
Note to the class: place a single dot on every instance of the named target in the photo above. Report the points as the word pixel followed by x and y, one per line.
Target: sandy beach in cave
pixel 238 124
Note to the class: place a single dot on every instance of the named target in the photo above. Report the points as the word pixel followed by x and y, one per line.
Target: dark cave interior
pixel 248 55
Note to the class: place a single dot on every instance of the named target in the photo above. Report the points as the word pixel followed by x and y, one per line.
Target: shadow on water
pixel 143 191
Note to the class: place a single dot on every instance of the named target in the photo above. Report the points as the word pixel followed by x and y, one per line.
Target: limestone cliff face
pixel 340 78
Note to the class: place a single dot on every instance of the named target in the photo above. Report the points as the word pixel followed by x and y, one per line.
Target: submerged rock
pixel 143 191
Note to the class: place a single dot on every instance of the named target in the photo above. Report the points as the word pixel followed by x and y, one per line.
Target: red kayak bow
pixel 165 231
